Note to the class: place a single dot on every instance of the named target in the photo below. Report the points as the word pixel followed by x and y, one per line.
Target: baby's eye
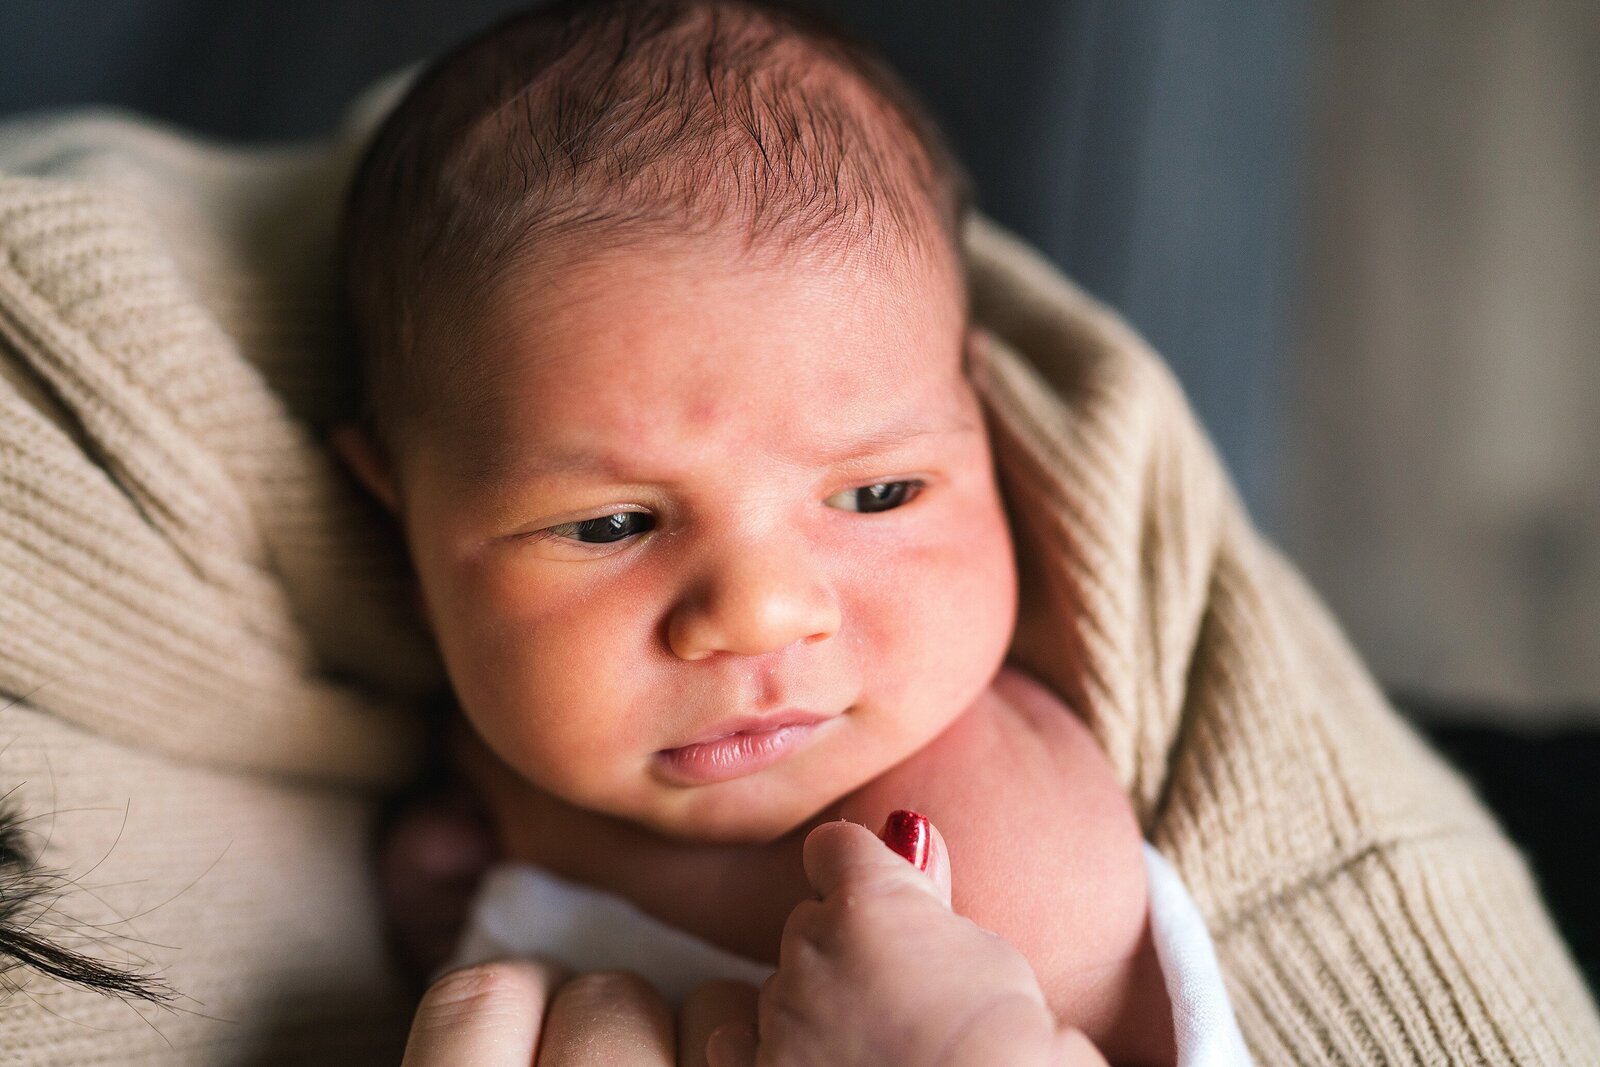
pixel 882 496
pixel 604 530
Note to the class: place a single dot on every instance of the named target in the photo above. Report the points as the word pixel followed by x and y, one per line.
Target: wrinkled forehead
pixel 632 333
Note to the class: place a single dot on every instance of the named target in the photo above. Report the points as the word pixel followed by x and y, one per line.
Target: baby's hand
pixel 880 970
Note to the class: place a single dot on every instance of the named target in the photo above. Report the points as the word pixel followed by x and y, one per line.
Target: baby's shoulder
pixel 1020 700
pixel 1045 846
pixel 1018 753
pixel 1032 731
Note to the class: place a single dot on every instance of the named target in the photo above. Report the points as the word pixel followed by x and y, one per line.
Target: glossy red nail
pixel 910 835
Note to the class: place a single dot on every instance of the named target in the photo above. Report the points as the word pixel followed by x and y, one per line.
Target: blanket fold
pixel 182 564
pixel 1365 906
pixel 208 630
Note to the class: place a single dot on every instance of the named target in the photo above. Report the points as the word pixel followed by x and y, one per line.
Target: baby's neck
pixel 734 895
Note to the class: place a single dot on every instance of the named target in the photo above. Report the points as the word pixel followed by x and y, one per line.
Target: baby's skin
pixel 712 546
pixel 996 783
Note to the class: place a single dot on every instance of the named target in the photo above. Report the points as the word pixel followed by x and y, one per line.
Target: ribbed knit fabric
pixel 1365 907
pixel 205 617
pixel 209 629
pixel 177 543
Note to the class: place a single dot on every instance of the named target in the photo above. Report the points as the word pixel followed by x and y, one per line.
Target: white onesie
pixel 525 911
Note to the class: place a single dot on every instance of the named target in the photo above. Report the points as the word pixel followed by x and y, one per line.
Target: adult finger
pixel 608 1018
pixel 487 1015
pixel 712 1006
pixel 839 852
pixel 732 1045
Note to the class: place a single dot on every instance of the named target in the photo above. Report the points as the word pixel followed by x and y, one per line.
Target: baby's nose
pixel 754 598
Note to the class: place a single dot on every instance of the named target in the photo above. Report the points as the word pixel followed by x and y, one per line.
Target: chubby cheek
pixel 549 672
pixel 939 618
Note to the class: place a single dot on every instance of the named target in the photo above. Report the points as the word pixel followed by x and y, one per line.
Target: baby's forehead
pixel 648 285
pixel 625 343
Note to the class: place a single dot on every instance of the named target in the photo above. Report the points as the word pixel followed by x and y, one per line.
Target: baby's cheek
pixel 905 622
pixel 523 661
pixel 968 590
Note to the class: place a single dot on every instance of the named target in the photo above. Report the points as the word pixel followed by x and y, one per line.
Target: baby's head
pixel 663 330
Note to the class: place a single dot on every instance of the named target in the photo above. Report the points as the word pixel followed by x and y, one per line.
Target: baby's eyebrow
pixel 883 440
pixel 502 466
pixel 505 466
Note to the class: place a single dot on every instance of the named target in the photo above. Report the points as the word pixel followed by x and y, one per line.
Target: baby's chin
pixel 732 831
pixel 741 816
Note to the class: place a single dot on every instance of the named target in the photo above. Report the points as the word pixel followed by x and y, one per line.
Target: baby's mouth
pixel 739 747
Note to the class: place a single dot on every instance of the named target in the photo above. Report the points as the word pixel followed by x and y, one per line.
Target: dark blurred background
pixel 1365 234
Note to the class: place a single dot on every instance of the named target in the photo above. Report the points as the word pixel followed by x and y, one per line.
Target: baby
pixel 664 335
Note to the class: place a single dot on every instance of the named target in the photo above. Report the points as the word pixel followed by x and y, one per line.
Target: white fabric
pixel 522 910
pixel 1202 1018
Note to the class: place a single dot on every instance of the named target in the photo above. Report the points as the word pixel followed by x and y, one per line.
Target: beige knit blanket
pixel 218 671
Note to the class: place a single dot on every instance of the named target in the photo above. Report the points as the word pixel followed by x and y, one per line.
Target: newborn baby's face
pixel 718 540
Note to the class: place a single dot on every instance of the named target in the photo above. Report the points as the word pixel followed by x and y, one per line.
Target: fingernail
pixel 910 835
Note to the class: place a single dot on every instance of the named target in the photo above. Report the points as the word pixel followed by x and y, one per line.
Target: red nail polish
pixel 910 835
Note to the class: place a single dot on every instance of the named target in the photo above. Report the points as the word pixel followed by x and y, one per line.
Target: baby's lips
pixel 910 835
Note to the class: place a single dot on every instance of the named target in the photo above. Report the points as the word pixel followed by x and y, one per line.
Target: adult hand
pixel 879 970
pixel 494 1015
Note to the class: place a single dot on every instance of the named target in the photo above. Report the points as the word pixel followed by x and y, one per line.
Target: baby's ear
pixel 366 460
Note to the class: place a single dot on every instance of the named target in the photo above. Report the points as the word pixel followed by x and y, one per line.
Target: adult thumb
pixel 908 850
